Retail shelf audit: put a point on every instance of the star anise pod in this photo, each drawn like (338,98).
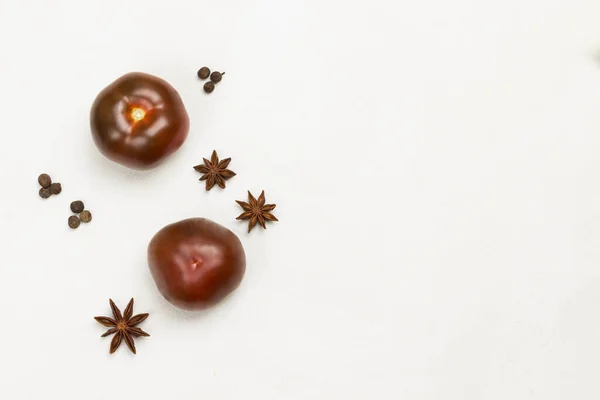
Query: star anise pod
(215,171)
(123,326)
(256,211)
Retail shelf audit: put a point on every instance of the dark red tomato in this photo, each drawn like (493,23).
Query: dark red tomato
(196,263)
(139,120)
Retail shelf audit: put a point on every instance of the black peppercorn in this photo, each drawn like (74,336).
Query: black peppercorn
(203,73)
(77,206)
(45,181)
(216,76)
(209,87)
(45,193)
(74,222)
(55,188)
(85,216)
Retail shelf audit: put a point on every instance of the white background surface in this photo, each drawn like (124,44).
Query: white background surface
(436,173)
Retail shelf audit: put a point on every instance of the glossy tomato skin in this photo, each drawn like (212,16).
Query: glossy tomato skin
(138,121)
(196,263)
